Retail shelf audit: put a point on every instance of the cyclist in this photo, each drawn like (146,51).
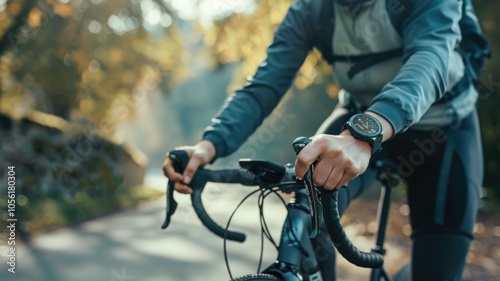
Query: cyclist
(408,88)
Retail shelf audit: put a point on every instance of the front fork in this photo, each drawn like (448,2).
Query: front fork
(296,257)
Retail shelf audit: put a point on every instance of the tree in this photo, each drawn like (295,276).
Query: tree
(86,59)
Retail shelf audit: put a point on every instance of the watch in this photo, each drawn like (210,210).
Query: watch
(367,128)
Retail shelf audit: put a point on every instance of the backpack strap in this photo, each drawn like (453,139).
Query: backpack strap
(397,19)
(474,45)
(474,50)
(323,11)
(362,62)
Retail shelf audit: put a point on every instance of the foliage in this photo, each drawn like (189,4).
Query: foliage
(83,58)
(49,161)
(63,177)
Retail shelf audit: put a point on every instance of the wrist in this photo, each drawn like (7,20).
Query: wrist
(387,130)
(209,149)
(364,145)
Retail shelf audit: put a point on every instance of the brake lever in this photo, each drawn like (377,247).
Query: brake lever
(314,201)
(313,193)
(179,160)
(171,204)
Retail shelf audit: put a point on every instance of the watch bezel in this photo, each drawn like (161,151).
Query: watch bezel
(374,141)
(372,136)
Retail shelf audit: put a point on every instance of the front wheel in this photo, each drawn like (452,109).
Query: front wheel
(257,277)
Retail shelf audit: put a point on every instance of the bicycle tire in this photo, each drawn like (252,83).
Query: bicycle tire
(257,277)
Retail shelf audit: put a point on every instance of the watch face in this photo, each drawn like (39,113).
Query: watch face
(366,125)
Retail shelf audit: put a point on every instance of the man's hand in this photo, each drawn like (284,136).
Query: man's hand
(199,155)
(339,159)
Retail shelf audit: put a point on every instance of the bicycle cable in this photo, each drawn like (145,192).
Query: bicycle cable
(227,228)
(263,222)
(264,192)
(264,230)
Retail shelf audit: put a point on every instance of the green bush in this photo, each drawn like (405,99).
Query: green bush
(62,177)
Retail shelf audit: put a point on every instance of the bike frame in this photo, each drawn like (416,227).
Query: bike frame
(297,259)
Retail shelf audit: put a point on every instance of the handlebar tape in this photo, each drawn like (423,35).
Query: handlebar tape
(209,223)
(243,177)
(339,238)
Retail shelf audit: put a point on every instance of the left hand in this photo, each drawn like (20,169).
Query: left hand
(339,159)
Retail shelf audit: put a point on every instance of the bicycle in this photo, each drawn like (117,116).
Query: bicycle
(303,219)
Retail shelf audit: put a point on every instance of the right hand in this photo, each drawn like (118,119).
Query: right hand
(199,154)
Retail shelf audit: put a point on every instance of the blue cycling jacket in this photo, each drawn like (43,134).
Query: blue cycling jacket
(405,89)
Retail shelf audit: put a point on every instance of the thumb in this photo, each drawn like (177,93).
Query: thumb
(192,166)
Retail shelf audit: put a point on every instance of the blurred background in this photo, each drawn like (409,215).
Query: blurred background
(93,93)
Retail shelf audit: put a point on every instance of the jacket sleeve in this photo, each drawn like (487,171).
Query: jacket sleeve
(430,34)
(245,109)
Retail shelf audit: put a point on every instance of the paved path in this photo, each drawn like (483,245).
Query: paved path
(130,245)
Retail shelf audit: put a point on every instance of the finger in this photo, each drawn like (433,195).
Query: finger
(343,181)
(308,155)
(349,175)
(322,170)
(334,178)
(182,188)
(192,166)
(169,171)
